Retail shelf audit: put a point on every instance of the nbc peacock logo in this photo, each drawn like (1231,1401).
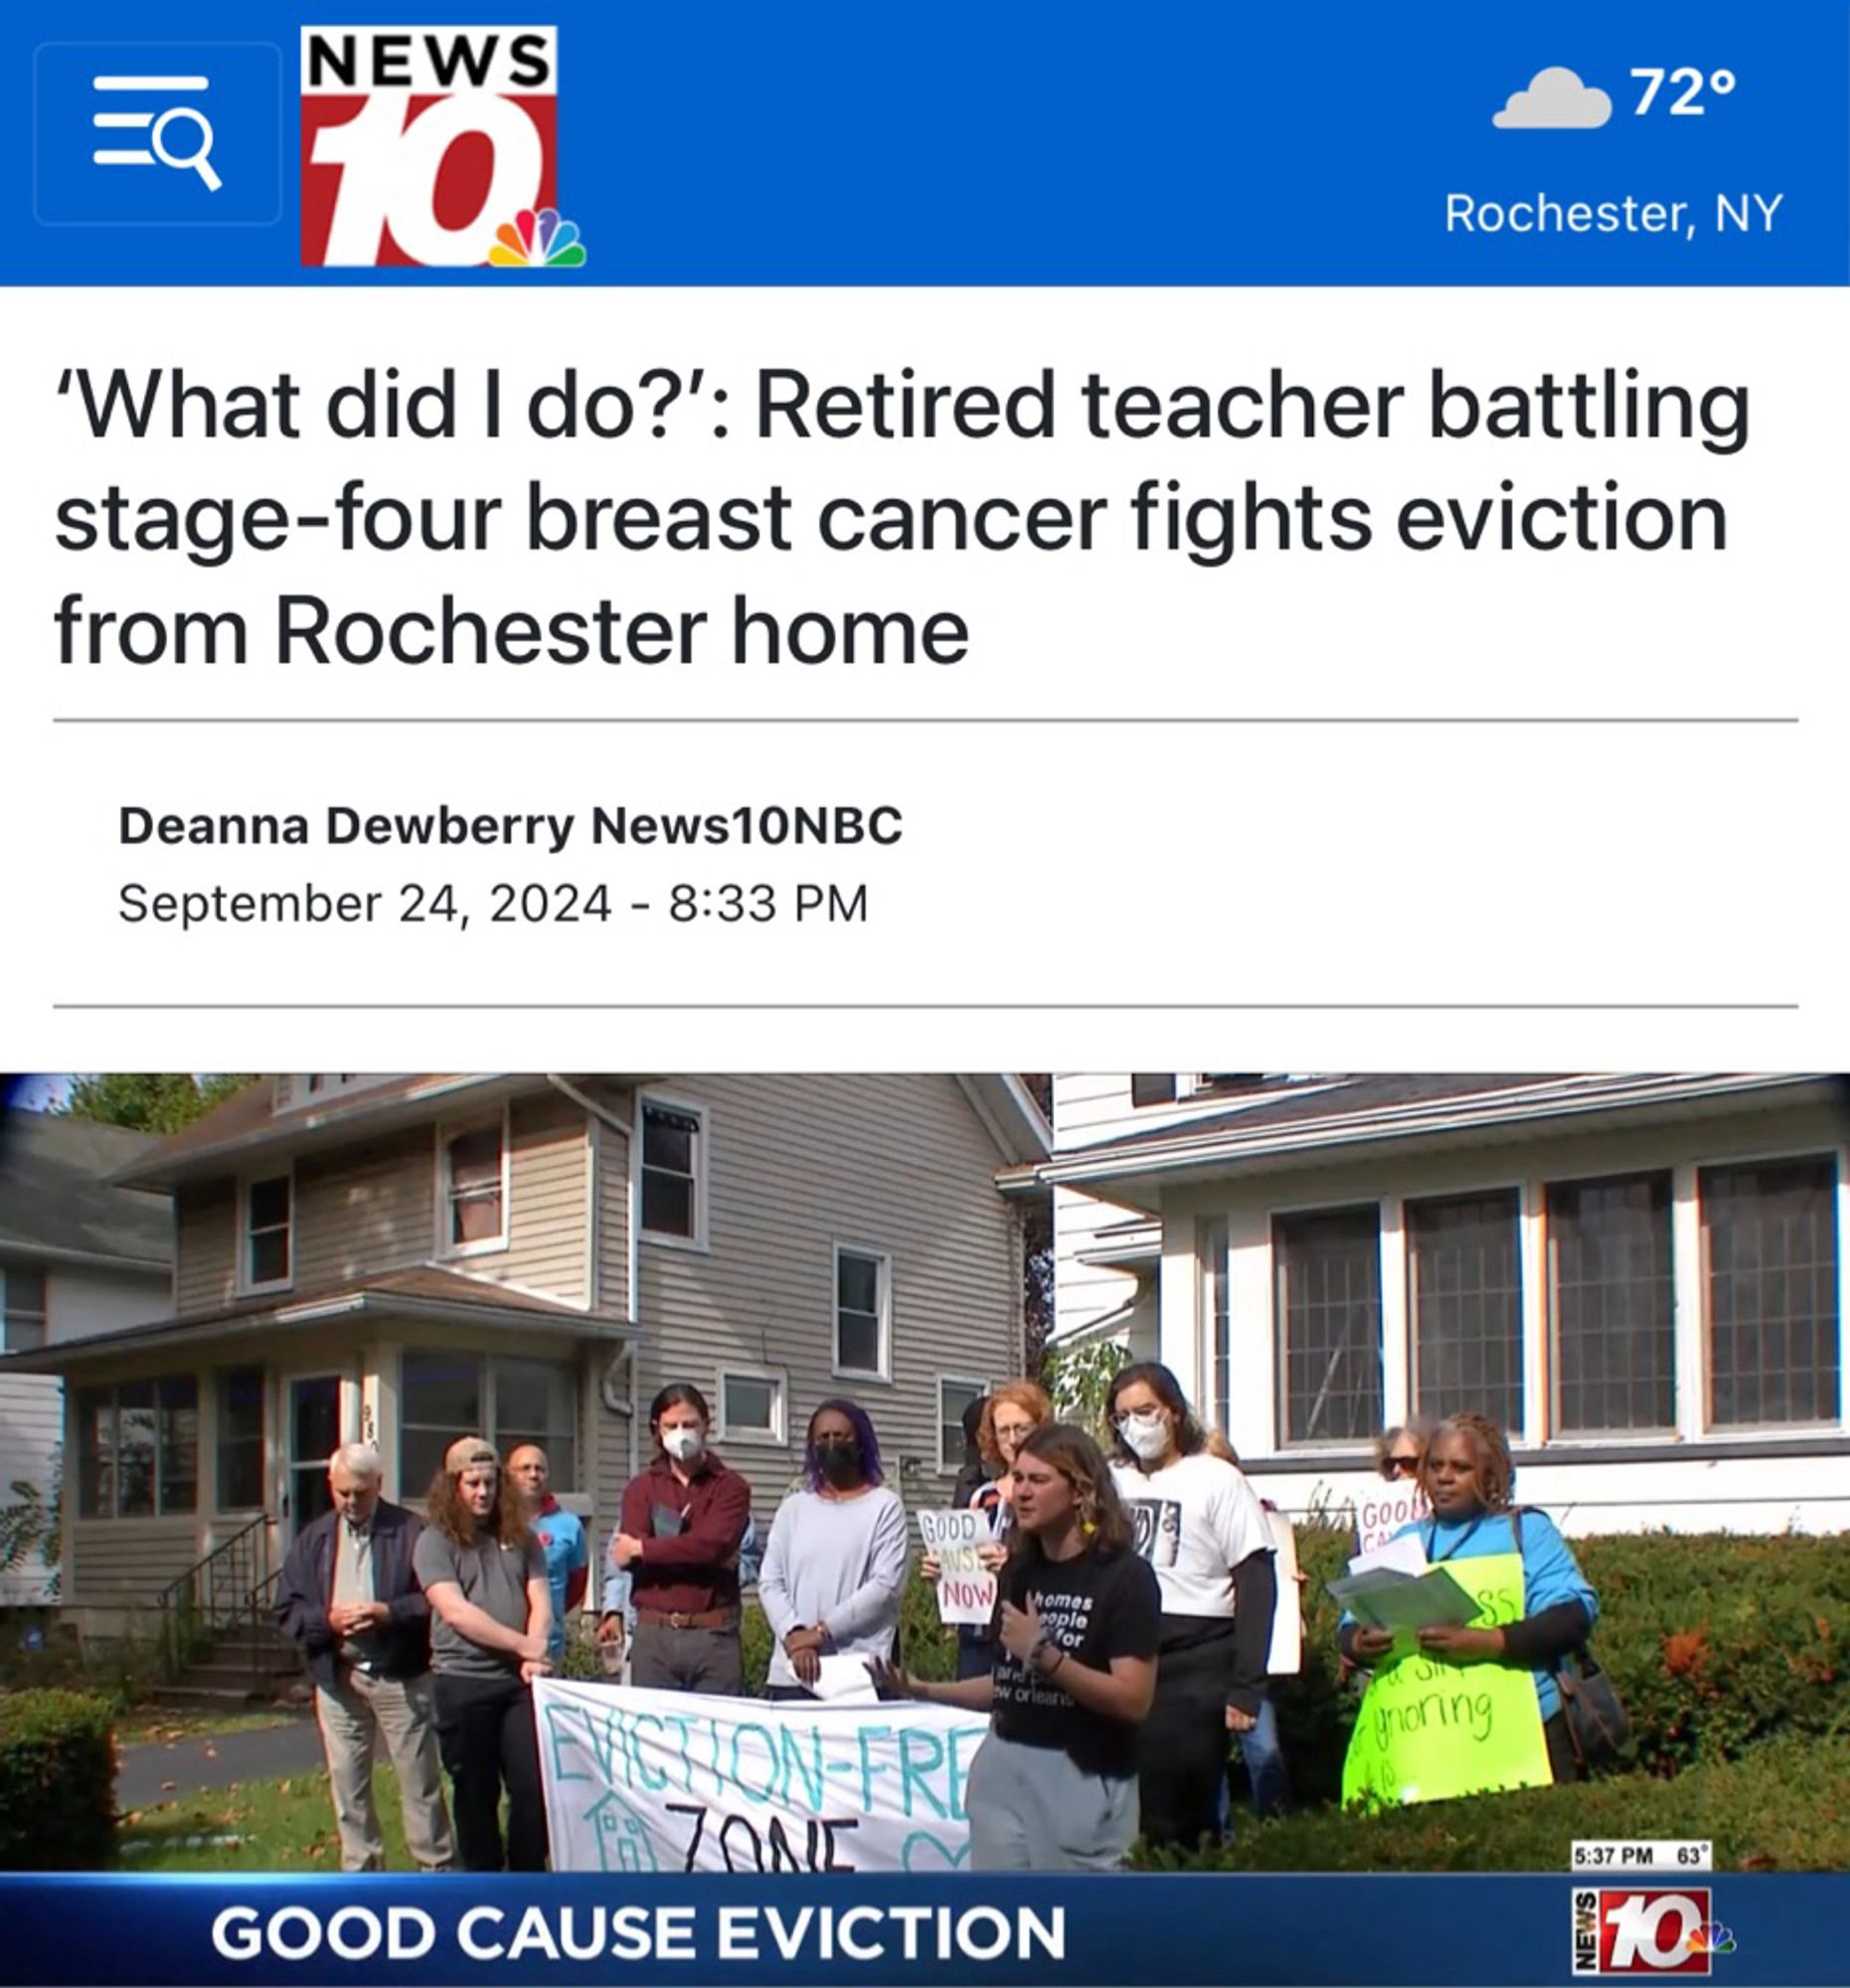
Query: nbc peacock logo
(537,241)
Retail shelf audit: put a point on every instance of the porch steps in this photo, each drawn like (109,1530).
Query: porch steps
(241,1669)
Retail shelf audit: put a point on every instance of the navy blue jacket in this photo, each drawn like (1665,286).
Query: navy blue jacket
(306,1591)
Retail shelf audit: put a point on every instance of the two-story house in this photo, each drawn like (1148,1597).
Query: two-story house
(1643,1278)
(78,1255)
(407,1258)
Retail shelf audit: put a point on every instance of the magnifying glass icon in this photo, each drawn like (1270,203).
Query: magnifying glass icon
(199,160)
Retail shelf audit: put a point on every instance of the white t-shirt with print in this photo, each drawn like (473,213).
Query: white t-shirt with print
(1192,1521)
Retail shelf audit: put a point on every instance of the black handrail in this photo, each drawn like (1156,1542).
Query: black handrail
(215,1594)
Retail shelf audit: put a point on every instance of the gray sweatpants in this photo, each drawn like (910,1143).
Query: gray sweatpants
(1032,1809)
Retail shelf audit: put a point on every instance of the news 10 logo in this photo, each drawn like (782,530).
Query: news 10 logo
(421,145)
(1646,1931)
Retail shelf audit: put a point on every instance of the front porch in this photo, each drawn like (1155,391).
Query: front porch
(195,1449)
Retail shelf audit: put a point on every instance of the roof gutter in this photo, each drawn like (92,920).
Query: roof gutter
(1194,1151)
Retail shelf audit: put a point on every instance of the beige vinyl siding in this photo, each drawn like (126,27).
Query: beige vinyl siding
(898,1164)
(360,1213)
(205,1247)
(548,1247)
(129,1560)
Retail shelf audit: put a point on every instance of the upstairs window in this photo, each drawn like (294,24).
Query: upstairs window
(473,1189)
(22,1292)
(268,1252)
(674,1140)
(863,1313)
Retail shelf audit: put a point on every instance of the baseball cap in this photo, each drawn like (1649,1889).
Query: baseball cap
(469,1452)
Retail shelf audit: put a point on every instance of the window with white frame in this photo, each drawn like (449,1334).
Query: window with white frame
(1464,1305)
(1611,1306)
(138,1449)
(1769,1270)
(1327,1272)
(863,1312)
(511,1402)
(674,1139)
(750,1406)
(22,1321)
(472,1188)
(267,1260)
(955,1396)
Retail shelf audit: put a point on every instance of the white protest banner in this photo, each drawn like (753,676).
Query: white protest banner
(1378,1519)
(1286,1656)
(665,1781)
(967,1591)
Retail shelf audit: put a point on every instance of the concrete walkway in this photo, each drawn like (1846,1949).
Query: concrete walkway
(160,1770)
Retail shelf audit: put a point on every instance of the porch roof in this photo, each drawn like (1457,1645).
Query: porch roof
(425,1292)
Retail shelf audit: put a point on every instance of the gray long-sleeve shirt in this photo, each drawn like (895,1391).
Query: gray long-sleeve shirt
(839,1562)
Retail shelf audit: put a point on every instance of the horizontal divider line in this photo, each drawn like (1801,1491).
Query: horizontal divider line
(958,1007)
(1134,718)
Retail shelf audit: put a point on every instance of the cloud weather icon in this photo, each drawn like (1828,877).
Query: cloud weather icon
(1556,100)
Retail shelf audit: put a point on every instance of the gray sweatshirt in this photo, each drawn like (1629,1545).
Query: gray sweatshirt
(839,1562)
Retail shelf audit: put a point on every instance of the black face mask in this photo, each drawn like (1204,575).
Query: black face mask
(840,1464)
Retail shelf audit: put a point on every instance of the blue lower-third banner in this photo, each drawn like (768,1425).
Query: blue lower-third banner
(1178,1932)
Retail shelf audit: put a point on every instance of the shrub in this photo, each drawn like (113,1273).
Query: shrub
(56,1782)
(1714,1643)
(1786,1806)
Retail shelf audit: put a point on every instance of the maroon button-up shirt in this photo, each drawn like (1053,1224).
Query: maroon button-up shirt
(695,1570)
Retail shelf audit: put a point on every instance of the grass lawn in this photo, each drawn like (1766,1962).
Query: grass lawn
(285,1825)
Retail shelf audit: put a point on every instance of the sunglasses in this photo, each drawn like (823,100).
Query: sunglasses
(1403,1466)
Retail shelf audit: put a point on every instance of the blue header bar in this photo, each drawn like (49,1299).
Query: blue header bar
(1045,142)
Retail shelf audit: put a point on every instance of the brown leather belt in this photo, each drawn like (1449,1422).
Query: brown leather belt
(675,1618)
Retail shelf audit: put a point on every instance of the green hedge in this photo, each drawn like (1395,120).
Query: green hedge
(56,1782)
(1785,1807)
(926,1647)
(1716,1644)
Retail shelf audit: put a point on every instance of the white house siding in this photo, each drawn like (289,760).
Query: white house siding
(1656,1485)
(1085,1293)
(1743,1494)
(1089,1107)
(78,1302)
(794,1165)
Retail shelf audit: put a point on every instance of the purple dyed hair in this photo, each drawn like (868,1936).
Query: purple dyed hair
(864,1435)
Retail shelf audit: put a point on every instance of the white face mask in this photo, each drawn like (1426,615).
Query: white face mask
(683,1444)
(1148,1434)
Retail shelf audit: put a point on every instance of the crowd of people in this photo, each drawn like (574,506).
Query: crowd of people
(1137,1598)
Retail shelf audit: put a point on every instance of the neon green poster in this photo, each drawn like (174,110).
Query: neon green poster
(1429,1729)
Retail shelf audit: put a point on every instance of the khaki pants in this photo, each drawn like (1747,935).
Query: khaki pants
(358,1712)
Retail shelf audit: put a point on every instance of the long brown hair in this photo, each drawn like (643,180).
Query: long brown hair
(444,1509)
(1102,1518)
(1028,1395)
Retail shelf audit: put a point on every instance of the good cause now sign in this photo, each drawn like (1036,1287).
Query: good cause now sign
(660,1781)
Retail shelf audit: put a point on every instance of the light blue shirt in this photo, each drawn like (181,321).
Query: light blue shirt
(1550,1572)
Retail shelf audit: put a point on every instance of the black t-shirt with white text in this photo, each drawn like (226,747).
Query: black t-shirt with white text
(1094,1610)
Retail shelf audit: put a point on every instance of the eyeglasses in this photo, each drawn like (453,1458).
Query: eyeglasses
(1403,1466)
(1014,1432)
(1144,1416)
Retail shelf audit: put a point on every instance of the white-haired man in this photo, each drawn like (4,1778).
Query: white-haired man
(349,1597)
